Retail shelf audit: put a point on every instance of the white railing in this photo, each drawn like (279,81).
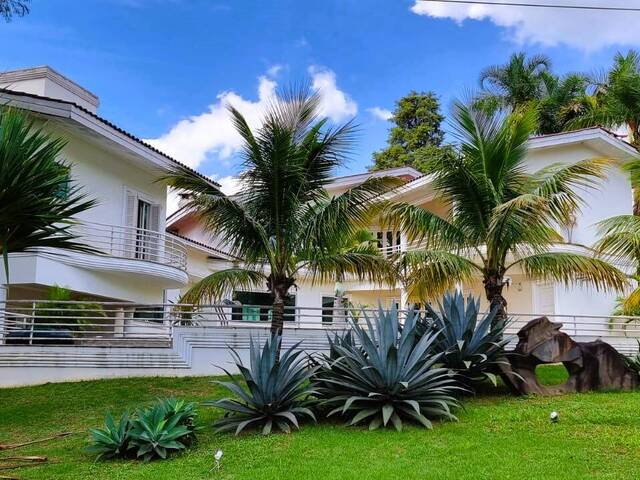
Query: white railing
(37,322)
(130,242)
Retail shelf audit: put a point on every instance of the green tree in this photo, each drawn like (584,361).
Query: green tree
(502,218)
(38,200)
(283,224)
(565,99)
(616,98)
(516,84)
(11,8)
(417,136)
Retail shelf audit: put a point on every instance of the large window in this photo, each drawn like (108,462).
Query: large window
(256,307)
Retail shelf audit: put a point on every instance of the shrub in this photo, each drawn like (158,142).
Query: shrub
(156,432)
(473,348)
(386,374)
(153,432)
(112,441)
(277,392)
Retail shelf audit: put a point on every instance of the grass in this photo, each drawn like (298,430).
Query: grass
(497,437)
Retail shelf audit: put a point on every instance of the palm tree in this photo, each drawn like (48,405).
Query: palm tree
(565,98)
(616,98)
(38,200)
(283,224)
(515,84)
(620,241)
(11,8)
(502,218)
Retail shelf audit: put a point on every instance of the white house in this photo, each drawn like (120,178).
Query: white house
(139,260)
(525,296)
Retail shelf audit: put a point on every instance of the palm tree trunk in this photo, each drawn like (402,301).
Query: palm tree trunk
(493,285)
(279,288)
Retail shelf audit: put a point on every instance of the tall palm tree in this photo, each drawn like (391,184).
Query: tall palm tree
(502,218)
(616,98)
(515,84)
(283,224)
(38,200)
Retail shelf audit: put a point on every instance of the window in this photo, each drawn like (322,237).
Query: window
(388,241)
(327,309)
(256,306)
(142,217)
(65,186)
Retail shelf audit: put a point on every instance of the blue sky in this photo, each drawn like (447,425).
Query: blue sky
(161,67)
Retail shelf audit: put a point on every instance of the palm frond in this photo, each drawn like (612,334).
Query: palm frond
(221,284)
(620,239)
(38,197)
(563,184)
(365,264)
(430,273)
(571,269)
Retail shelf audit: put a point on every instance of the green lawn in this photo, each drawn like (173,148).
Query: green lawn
(497,437)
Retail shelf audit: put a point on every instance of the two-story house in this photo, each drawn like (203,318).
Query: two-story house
(139,261)
(524,295)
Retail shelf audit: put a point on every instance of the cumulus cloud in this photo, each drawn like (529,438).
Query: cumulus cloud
(586,30)
(380,113)
(334,103)
(193,139)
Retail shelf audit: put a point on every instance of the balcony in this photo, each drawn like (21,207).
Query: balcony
(134,243)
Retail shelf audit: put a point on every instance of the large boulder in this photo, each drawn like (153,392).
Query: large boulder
(591,366)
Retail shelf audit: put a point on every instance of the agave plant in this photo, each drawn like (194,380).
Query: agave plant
(473,348)
(277,392)
(112,441)
(387,375)
(187,411)
(156,432)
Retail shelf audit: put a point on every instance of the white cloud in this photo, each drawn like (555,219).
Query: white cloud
(586,30)
(334,103)
(380,113)
(274,70)
(193,139)
(229,185)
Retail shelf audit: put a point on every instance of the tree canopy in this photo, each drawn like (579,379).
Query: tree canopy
(417,136)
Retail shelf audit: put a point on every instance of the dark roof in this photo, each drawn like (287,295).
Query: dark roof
(109,124)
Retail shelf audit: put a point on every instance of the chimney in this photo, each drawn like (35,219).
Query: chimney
(46,82)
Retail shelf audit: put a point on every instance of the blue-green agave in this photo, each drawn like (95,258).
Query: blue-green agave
(276,392)
(474,348)
(388,374)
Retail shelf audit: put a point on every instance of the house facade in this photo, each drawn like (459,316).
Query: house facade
(138,260)
(525,296)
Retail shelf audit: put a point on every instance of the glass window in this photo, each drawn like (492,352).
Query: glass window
(327,309)
(256,306)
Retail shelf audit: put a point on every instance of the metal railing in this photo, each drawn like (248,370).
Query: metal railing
(33,322)
(131,242)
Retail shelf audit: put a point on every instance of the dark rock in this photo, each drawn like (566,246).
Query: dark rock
(591,366)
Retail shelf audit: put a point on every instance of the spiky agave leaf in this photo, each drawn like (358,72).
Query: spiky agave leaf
(472,347)
(387,375)
(157,432)
(111,441)
(275,393)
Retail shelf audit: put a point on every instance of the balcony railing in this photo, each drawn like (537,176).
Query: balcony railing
(136,243)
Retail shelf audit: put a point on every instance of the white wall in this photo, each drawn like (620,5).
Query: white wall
(613,197)
(104,175)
